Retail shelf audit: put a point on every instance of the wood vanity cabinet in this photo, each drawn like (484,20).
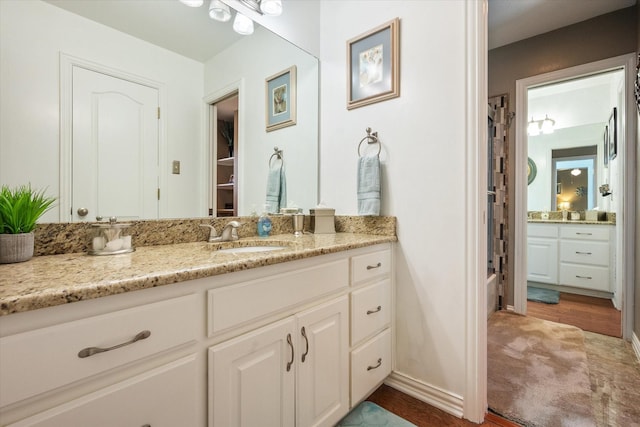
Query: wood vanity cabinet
(292,344)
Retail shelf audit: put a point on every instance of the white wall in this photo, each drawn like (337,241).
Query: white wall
(255,145)
(32,35)
(423,136)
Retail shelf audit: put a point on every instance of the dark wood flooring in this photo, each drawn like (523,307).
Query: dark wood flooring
(587,313)
(423,414)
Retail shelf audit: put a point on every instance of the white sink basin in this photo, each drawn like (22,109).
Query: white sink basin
(251,249)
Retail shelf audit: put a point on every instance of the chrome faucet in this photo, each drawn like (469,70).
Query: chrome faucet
(229,232)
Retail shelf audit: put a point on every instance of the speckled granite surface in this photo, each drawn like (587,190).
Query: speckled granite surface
(62,238)
(556,216)
(561,221)
(50,280)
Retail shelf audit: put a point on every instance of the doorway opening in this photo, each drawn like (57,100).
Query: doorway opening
(530,196)
(223,137)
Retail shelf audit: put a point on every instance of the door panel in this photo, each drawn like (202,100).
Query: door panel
(115,147)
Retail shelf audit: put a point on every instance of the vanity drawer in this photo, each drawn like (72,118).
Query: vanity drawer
(370,365)
(238,304)
(370,310)
(592,253)
(584,276)
(165,396)
(44,359)
(368,266)
(542,230)
(585,233)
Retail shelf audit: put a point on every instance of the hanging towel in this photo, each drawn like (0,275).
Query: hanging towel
(276,189)
(369,185)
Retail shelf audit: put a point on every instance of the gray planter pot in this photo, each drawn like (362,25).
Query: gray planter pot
(16,247)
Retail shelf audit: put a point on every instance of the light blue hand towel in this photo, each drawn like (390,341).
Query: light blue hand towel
(369,185)
(276,189)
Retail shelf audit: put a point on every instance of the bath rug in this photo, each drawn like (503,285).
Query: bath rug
(368,414)
(547,296)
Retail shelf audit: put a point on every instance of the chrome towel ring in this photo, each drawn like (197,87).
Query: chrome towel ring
(371,138)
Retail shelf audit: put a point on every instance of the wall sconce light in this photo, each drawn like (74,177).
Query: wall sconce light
(545,126)
(576,172)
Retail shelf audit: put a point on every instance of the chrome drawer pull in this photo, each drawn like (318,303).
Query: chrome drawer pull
(292,354)
(304,334)
(583,253)
(584,277)
(90,351)
(374,311)
(375,367)
(371,267)
(584,234)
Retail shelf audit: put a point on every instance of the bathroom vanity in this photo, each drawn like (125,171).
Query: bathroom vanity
(184,335)
(579,255)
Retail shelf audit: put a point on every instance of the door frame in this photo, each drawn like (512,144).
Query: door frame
(67,62)
(624,223)
(209,138)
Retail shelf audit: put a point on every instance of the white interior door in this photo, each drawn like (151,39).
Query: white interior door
(114,148)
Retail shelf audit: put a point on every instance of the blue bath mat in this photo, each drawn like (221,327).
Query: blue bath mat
(368,414)
(547,296)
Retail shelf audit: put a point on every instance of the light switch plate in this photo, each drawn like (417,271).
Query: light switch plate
(176,167)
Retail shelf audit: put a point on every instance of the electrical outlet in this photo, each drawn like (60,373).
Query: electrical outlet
(176,167)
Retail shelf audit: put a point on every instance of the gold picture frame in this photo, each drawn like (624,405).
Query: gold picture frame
(280,109)
(373,71)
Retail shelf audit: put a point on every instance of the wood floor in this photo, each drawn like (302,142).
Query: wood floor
(424,415)
(587,313)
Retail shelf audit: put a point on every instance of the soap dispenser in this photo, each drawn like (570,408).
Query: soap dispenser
(264,224)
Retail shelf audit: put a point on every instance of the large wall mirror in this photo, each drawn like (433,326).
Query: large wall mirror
(570,157)
(189,59)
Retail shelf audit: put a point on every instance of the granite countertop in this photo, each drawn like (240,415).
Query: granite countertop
(46,281)
(569,221)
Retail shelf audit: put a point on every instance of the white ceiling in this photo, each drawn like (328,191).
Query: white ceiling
(514,20)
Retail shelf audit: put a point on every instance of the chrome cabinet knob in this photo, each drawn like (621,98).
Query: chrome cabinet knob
(83,211)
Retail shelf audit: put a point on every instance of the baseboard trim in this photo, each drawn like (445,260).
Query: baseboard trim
(511,308)
(434,396)
(635,343)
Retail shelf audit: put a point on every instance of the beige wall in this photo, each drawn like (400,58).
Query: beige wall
(602,37)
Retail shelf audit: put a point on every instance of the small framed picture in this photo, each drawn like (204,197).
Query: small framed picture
(373,71)
(613,134)
(281,99)
(605,150)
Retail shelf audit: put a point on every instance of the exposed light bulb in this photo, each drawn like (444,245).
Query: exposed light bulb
(547,125)
(271,7)
(192,3)
(219,11)
(242,24)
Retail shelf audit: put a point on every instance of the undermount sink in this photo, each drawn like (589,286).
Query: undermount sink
(251,249)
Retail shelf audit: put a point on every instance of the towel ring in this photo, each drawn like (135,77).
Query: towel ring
(371,138)
(277,154)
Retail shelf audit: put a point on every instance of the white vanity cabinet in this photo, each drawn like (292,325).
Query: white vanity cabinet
(292,344)
(542,253)
(578,256)
(292,372)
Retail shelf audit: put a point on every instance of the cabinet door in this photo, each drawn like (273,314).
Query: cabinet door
(542,260)
(323,364)
(164,396)
(251,378)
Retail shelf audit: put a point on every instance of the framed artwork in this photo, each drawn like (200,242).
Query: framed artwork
(605,139)
(373,71)
(613,135)
(532,170)
(281,99)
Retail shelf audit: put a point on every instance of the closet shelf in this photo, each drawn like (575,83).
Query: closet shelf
(226,161)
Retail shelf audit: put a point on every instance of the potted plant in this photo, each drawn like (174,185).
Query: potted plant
(20,209)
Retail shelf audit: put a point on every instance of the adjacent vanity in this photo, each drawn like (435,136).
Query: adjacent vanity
(577,255)
(182,334)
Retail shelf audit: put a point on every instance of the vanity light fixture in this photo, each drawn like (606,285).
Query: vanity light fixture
(545,126)
(192,3)
(219,10)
